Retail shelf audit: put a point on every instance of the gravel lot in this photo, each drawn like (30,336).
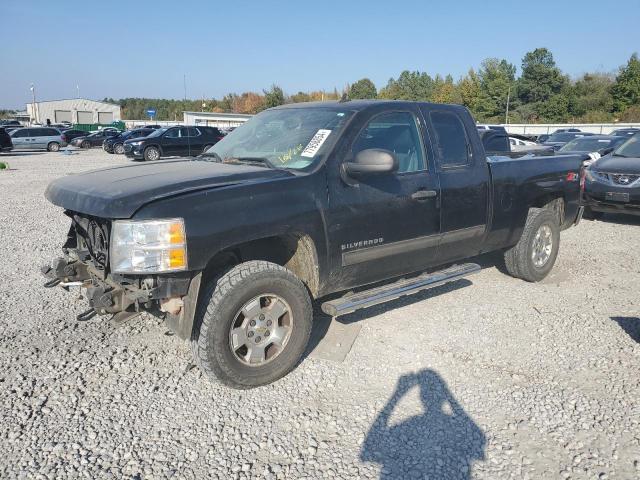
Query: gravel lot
(488,378)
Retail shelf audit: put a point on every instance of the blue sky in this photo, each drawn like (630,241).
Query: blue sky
(142,48)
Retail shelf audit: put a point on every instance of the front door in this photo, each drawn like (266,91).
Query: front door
(464,182)
(383,225)
(173,143)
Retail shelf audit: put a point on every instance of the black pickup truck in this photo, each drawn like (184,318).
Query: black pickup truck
(301,202)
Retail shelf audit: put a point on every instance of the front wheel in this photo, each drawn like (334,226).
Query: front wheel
(252,325)
(85,144)
(118,148)
(533,257)
(151,154)
(53,147)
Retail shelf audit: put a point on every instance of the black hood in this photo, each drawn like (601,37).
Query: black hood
(612,164)
(118,192)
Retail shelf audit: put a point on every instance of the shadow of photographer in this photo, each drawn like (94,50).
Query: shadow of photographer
(441,443)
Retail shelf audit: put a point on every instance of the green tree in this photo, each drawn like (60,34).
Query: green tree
(416,86)
(626,89)
(540,78)
(497,78)
(363,89)
(469,91)
(273,97)
(590,97)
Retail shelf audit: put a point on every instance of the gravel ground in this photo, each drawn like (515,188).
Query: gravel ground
(489,378)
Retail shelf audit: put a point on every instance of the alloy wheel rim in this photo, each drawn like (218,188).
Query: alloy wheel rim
(542,246)
(261,330)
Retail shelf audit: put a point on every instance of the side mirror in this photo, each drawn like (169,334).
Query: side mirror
(372,161)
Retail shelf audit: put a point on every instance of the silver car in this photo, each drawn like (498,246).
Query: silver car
(37,138)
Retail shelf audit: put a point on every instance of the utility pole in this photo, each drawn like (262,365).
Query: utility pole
(33,109)
(184,84)
(78,90)
(506,115)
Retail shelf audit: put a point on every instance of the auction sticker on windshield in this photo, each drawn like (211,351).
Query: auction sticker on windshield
(316,142)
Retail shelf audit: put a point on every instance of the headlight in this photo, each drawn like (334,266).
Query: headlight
(135,144)
(148,246)
(593,176)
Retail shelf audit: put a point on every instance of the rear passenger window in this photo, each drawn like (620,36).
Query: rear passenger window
(192,132)
(499,143)
(50,132)
(450,139)
(398,133)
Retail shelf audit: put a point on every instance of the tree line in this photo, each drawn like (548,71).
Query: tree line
(493,93)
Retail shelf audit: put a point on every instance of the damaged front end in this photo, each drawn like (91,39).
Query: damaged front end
(88,263)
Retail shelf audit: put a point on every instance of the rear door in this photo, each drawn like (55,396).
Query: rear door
(388,224)
(464,181)
(39,137)
(196,139)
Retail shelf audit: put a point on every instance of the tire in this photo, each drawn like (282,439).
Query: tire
(221,308)
(53,147)
(151,154)
(528,259)
(206,147)
(118,148)
(85,144)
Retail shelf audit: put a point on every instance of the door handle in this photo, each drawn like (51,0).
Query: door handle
(424,194)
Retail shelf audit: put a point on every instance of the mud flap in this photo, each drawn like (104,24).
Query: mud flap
(182,324)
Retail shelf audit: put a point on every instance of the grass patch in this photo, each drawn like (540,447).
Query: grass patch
(4,166)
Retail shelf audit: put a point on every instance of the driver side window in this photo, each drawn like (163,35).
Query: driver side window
(398,133)
(173,133)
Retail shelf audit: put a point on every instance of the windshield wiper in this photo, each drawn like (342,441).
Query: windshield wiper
(251,160)
(620,155)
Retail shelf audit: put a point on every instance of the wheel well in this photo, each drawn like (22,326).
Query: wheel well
(296,252)
(553,203)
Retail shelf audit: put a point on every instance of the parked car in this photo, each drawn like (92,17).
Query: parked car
(564,130)
(558,140)
(612,183)
(11,128)
(593,146)
(300,202)
(71,134)
(625,132)
(170,141)
(154,127)
(542,138)
(499,128)
(8,123)
(498,143)
(115,144)
(94,139)
(37,138)
(6,145)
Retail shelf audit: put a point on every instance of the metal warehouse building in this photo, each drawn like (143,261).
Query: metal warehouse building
(212,119)
(76,110)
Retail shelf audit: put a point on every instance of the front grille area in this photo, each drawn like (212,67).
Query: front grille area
(619,179)
(623,179)
(128,147)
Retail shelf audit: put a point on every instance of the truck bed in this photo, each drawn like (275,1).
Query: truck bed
(516,182)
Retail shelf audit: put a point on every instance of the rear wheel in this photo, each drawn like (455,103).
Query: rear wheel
(151,154)
(118,148)
(53,147)
(252,325)
(533,257)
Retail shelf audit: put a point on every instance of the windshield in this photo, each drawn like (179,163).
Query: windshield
(586,145)
(282,138)
(630,148)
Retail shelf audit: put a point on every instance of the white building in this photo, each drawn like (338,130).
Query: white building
(212,119)
(76,110)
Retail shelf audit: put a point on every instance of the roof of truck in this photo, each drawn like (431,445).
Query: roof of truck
(357,105)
